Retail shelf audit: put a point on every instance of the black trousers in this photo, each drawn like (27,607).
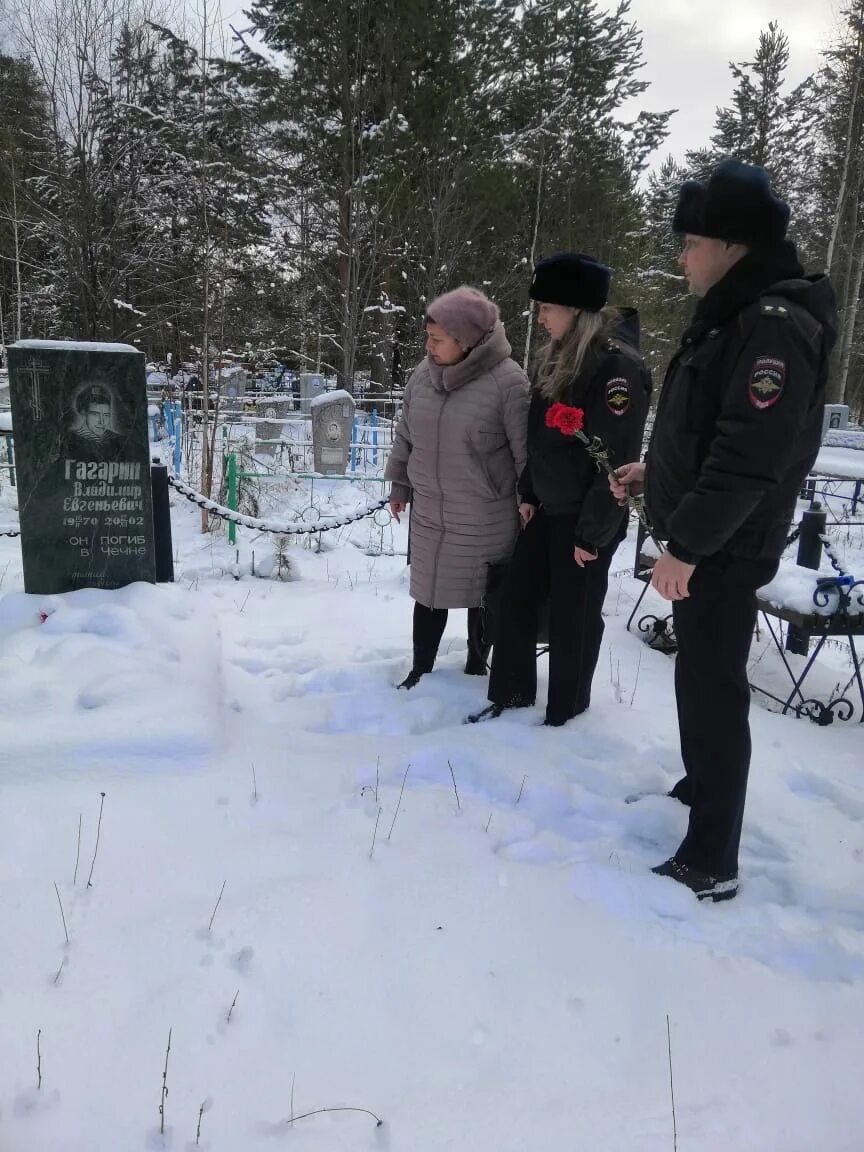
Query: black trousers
(429,625)
(714,627)
(543,567)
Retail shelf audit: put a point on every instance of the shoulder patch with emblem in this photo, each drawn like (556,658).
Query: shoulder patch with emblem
(618,396)
(774,306)
(767,378)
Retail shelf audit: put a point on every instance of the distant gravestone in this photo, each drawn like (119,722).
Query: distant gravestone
(233,383)
(835,417)
(79,413)
(233,391)
(271,415)
(332,421)
(311,385)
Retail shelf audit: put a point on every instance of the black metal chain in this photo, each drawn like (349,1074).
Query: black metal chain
(224,513)
(793,536)
(250,521)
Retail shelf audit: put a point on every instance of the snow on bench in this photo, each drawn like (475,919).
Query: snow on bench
(790,595)
(844,463)
(844,438)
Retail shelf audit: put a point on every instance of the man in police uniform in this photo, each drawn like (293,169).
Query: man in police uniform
(737,429)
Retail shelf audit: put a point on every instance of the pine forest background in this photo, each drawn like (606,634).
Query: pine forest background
(300,184)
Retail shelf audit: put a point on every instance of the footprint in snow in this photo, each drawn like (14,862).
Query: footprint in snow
(326,682)
(288,638)
(807,784)
(242,961)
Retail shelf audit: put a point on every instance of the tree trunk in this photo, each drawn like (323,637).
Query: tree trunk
(223,279)
(855,400)
(17,244)
(345,279)
(304,291)
(380,376)
(845,313)
(838,392)
(844,175)
(347,209)
(537,205)
(206,458)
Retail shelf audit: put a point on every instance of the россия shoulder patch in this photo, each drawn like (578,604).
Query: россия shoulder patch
(767,378)
(618,396)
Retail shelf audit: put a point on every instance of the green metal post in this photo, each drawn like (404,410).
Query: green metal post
(232,495)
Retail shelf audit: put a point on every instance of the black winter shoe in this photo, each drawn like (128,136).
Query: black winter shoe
(558,721)
(700,884)
(490,712)
(493,711)
(475,665)
(411,680)
(635,797)
(683,792)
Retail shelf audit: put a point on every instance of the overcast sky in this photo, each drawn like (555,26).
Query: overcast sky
(688,45)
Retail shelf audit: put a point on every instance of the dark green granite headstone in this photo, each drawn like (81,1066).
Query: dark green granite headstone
(79,419)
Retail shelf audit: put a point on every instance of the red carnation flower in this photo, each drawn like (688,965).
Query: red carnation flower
(567,420)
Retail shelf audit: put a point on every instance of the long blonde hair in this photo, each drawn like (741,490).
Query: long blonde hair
(561,361)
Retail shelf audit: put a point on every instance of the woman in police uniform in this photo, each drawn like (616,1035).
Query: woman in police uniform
(591,379)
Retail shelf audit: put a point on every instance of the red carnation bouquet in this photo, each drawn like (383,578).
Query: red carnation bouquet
(569,421)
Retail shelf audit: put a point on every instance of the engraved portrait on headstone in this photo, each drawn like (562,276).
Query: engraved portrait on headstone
(332,423)
(834,417)
(91,431)
(270,415)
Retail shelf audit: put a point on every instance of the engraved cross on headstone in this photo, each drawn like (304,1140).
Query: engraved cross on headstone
(34,373)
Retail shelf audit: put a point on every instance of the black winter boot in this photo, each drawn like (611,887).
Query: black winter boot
(683,791)
(490,712)
(700,884)
(493,711)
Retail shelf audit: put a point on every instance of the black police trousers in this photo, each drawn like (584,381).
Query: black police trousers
(543,567)
(714,627)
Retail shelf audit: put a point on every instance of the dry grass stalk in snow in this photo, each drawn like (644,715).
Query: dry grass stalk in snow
(60,902)
(164,1088)
(231,1009)
(96,849)
(375,832)
(218,902)
(77,850)
(453,777)
(399,804)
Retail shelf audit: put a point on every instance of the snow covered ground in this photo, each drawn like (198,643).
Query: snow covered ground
(495,976)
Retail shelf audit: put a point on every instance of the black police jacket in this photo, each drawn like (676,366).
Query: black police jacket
(739,419)
(613,390)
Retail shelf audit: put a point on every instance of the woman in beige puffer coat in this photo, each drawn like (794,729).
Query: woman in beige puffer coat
(458,452)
